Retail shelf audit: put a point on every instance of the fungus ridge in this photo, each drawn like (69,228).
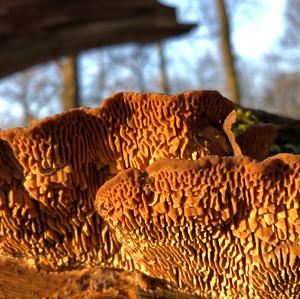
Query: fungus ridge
(256,141)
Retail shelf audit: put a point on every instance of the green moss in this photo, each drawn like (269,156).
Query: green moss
(245,119)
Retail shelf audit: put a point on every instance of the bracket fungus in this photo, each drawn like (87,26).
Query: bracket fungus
(51,171)
(220,227)
(50,174)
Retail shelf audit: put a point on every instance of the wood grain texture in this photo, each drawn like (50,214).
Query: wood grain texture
(20,280)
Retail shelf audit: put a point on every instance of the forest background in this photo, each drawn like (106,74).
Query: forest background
(249,50)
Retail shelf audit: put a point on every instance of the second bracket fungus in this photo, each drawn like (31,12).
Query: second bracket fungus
(220,227)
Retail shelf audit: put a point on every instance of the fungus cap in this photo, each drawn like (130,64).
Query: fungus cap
(53,169)
(221,227)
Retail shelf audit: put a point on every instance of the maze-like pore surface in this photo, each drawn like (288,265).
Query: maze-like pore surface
(221,227)
(50,172)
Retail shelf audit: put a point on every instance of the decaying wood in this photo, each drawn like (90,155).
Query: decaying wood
(20,280)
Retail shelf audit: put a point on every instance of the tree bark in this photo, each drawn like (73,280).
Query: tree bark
(227,52)
(70,92)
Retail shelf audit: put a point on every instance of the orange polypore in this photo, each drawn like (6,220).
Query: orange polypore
(220,227)
(204,224)
(50,172)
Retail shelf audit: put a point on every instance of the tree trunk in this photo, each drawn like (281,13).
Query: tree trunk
(139,67)
(163,68)
(70,91)
(25,79)
(102,73)
(228,57)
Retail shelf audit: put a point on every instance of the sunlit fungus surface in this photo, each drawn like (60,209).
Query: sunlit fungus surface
(222,227)
(157,183)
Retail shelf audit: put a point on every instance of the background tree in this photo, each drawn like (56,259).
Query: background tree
(290,40)
(227,52)
(163,68)
(70,96)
